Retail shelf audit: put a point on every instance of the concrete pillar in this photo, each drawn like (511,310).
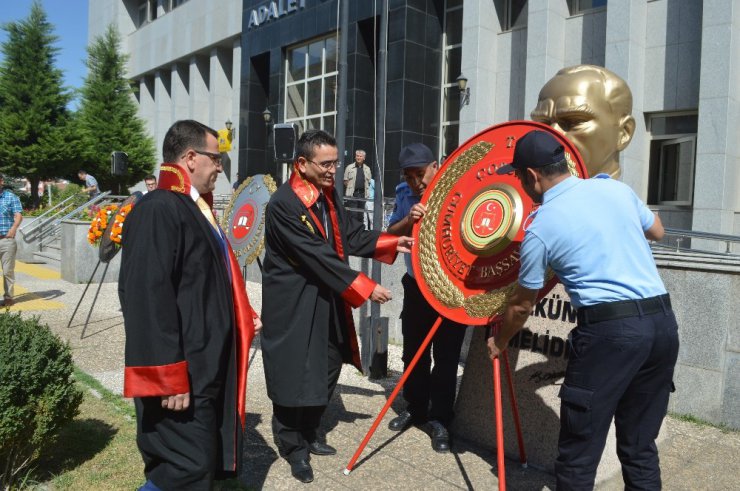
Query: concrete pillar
(625,56)
(479,64)
(545,46)
(199,83)
(162,103)
(236,70)
(716,176)
(219,104)
(146,103)
(180,81)
(219,95)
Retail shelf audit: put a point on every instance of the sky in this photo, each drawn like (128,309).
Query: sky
(69,21)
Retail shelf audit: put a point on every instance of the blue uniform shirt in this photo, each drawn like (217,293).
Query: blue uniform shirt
(9,206)
(591,233)
(405,199)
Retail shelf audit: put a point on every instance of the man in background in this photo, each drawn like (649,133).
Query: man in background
(10,220)
(91,184)
(150,182)
(357,178)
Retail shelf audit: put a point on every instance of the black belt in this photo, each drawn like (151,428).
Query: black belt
(622,309)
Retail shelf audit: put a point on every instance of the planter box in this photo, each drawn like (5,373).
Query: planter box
(79,258)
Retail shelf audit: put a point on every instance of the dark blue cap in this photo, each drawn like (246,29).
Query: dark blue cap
(415,155)
(535,149)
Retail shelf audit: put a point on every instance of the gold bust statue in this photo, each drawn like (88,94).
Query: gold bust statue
(592,106)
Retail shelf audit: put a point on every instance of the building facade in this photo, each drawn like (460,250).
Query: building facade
(234,60)
(185,59)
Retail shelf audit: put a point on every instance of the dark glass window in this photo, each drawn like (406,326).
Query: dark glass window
(311,84)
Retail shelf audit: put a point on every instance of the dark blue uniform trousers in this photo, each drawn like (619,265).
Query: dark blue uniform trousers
(427,384)
(621,369)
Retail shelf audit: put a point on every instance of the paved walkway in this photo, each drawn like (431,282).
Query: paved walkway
(693,457)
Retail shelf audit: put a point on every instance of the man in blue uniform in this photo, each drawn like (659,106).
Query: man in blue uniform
(593,233)
(425,385)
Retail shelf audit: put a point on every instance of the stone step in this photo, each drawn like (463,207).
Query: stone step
(49,257)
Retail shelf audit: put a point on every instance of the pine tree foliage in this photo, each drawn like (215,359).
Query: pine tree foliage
(35,137)
(107,120)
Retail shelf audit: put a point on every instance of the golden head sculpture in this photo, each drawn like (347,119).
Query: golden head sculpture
(592,106)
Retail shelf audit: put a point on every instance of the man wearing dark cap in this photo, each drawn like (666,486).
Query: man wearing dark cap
(425,385)
(624,347)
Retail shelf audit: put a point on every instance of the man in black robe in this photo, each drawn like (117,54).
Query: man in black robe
(188,321)
(308,290)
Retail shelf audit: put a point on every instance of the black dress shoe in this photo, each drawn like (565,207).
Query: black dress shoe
(440,437)
(318,448)
(302,470)
(401,422)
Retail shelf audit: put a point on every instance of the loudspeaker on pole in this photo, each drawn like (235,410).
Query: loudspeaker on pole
(118,163)
(285,136)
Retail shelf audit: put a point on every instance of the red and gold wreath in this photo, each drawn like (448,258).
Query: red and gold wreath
(117,228)
(99,224)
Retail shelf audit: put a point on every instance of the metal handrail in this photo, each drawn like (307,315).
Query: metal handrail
(51,210)
(695,234)
(55,218)
(51,226)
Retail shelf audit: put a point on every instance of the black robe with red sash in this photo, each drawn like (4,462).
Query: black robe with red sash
(308,288)
(188,328)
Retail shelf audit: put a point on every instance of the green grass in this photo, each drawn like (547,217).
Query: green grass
(698,421)
(97,450)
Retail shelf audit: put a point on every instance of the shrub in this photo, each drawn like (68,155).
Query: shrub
(37,392)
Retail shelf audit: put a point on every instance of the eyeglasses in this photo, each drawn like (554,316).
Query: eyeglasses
(215,157)
(326,165)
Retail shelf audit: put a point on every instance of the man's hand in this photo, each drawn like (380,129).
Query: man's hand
(257,325)
(516,313)
(10,234)
(417,212)
(178,402)
(380,294)
(493,349)
(404,244)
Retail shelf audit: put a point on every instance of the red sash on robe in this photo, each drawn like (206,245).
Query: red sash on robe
(174,178)
(361,288)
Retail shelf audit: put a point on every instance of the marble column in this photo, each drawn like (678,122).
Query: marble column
(545,46)
(199,86)
(625,56)
(717,173)
(480,60)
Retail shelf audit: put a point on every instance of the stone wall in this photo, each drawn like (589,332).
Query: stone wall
(703,290)
(79,258)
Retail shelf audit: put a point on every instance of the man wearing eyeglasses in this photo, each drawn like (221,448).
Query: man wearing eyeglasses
(308,291)
(188,321)
(150,182)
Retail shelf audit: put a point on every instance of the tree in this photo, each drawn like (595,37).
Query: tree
(35,136)
(107,120)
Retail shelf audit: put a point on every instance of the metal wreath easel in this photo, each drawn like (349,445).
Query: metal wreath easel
(498,409)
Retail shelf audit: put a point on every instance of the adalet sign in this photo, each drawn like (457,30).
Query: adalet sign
(273,10)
